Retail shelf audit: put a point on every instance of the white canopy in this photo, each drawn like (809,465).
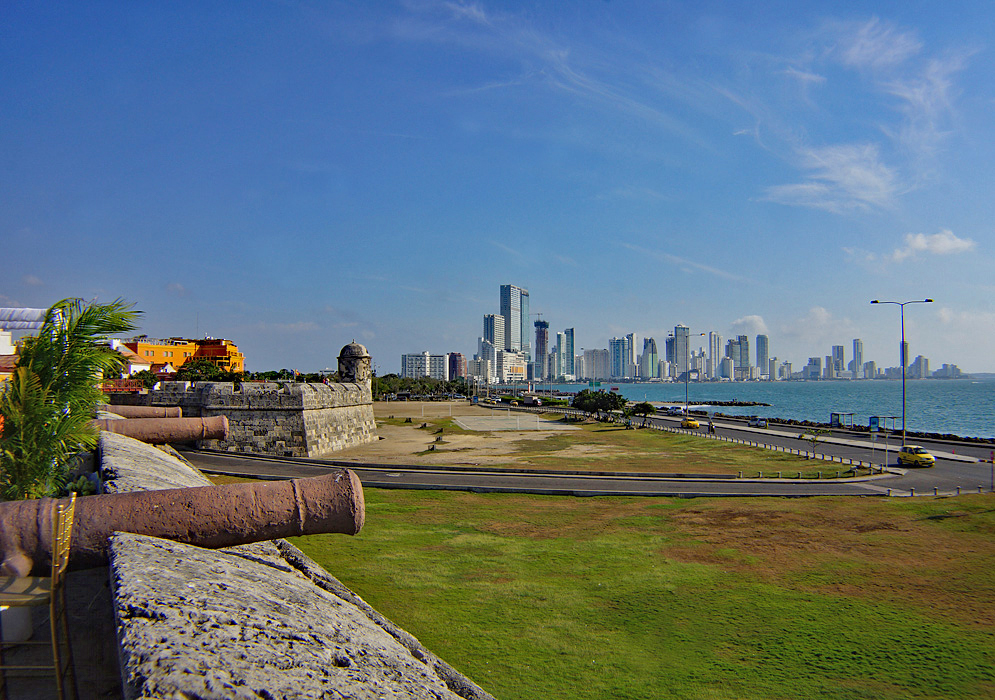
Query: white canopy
(20,319)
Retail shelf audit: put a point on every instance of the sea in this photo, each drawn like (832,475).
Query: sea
(964,407)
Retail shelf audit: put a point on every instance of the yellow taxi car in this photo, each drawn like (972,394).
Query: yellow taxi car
(690,423)
(915,456)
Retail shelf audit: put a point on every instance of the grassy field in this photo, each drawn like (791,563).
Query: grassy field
(608,447)
(558,597)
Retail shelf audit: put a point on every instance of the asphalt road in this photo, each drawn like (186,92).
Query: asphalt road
(557,483)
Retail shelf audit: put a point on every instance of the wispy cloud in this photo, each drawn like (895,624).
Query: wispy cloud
(817,328)
(597,78)
(32,281)
(177,289)
(942,243)
(685,264)
(841,178)
(875,45)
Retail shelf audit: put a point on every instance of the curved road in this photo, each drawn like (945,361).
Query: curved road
(945,477)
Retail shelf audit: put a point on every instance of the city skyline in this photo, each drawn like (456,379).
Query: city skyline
(293,177)
(503,359)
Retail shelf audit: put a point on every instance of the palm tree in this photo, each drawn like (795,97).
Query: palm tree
(48,403)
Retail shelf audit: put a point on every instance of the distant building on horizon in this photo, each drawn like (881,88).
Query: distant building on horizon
(176,351)
(515,310)
(763,355)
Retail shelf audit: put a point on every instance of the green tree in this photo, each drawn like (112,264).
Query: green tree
(644,409)
(48,403)
(147,378)
(814,436)
(592,402)
(199,369)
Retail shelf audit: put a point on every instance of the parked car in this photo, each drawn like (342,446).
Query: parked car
(690,423)
(757,423)
(675,411)
(915,456)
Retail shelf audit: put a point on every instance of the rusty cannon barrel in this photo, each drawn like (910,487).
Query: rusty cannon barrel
(206,516)
(158,431)
(143,411)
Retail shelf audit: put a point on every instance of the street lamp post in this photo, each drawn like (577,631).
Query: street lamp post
(687,364)
(902,354)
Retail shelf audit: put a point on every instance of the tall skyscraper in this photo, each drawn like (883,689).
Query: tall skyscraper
(838,360)
(648,365)
(494,327)
(631,367)
(618,350)
(670,349)
(714,353)
(568,352)
(744,351)
(560,353)
(858,358)
(763,354)
(682,351)
(542,345)
(515,309)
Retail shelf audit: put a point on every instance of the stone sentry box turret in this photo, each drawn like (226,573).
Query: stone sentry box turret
(290,419)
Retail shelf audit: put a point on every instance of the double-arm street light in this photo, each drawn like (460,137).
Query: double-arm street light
(902,353)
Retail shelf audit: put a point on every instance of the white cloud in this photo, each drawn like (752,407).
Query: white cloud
(817,329)
(876,45)
(687,265)
(843,178)
(176,288)
(804,77)
(32,281)
(749,325)
(942,243)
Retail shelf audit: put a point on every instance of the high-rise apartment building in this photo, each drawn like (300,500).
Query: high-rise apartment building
(682,350)
(457,365)
(858,358)
(568,352)
(714,353)
(560,355)
(619,352)
(542,346)
(494,329)
(597,364)
(515,309)
(838,360)
(423,364)
(648,364)
(763,355)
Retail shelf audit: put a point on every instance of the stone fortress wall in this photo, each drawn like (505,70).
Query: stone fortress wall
(285,419)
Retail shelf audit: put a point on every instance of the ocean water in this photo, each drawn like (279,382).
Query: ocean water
(964,407)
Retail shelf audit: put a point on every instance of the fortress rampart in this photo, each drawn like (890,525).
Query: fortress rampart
(286,419)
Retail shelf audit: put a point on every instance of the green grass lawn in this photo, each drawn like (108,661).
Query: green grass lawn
(611,447)
(559,597)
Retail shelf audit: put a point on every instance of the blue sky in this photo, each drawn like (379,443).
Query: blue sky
(293,175)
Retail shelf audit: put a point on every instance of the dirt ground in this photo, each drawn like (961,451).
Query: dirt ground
(404,443)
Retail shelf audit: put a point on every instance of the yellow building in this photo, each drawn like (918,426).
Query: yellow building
(176,351)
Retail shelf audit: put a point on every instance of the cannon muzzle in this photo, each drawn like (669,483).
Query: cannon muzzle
(144,411)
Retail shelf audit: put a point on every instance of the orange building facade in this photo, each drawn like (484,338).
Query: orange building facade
(176,351)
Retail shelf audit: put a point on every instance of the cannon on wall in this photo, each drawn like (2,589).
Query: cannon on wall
(158,431)
(206,516)
(126,411)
